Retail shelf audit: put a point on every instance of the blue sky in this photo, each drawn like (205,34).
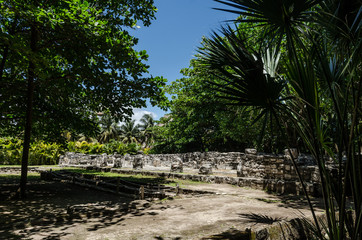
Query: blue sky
(172,39)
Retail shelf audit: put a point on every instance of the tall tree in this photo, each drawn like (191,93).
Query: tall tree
(129,132)
(319,91)
(62,61)
(146,129)
(109,128)
(199,121)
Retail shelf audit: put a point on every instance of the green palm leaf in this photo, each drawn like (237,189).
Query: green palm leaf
(278,18)
(240,75)
(129,132)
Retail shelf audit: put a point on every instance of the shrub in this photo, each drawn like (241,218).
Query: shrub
(10,151)
(98,148)
(41,153)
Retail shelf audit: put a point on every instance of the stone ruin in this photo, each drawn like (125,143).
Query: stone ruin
(176,162)
(99,160)
(177,165)
(205,169)
(260,170)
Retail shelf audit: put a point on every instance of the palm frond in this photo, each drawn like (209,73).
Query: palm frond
(241,75)
(278,18)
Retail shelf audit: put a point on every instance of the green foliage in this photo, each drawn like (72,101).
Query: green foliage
(85,147)
(98,148)
(109,128)
(61,62)
(83,61)
(200,121)
(129,132)
(10,151)
(146,130)
(316,93)
(41,153)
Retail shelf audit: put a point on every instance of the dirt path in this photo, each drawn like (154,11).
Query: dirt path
(63,211)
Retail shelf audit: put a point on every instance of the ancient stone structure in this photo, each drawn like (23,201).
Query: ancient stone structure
(138,162)
(274,172)
(195,160)
(205,169)
(177,165)
(103,160)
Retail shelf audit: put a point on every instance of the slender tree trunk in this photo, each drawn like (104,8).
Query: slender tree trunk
(29,115)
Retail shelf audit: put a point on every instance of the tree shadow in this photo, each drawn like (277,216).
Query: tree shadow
(231,234)
(292,201)
(161,238)
(52,207)
(260,218)
(144,180)
(299,202)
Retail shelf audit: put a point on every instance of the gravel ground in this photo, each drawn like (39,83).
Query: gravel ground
(55,210)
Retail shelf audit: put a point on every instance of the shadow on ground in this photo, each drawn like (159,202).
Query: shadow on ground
(260,218)
(231,234)
(54,205)
(292,201)
(129,178)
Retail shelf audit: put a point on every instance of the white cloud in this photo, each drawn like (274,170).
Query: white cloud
(138,113)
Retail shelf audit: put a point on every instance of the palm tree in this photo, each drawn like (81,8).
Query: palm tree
(318,89)
(147,123)
(129,132)
(82,137)
(109,128)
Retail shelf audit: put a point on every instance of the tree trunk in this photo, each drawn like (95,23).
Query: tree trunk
(29,114)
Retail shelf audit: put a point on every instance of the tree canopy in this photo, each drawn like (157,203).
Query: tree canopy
(198,122)
(83,61)
(64,61)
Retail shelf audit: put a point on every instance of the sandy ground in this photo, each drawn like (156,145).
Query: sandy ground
(56,210)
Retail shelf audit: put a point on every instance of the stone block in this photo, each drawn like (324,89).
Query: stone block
(205,169)
(177,165)
(251,151)
(137,162)
(239,170)
(156,162)
(211,179)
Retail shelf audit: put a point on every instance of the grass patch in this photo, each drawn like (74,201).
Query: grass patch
(183,183)
(46,166)
(141,179)
(138,178)
(15,177)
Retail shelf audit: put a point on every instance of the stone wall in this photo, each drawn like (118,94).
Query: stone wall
(270,166)
(278,173)
(195,160)
(274,172)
